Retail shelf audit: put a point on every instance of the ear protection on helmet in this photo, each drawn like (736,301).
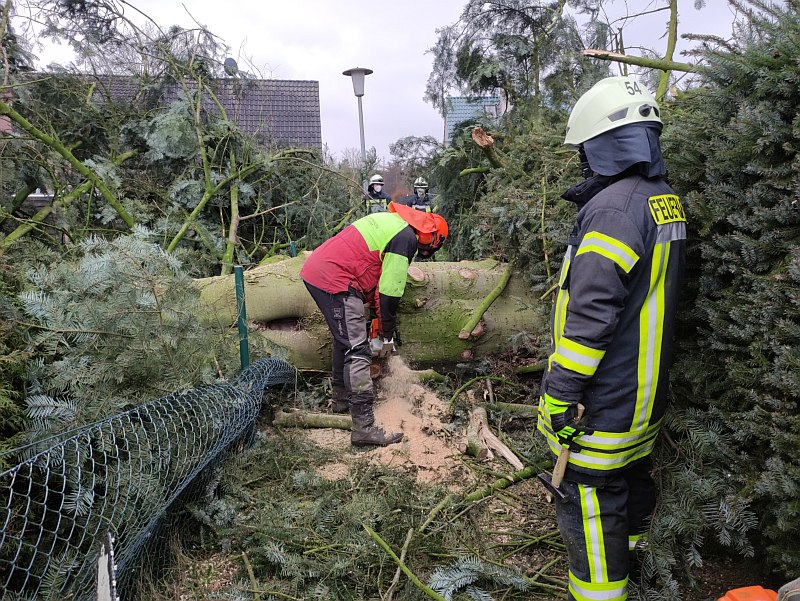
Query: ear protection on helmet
(425,238)
(432,241)
(430,228)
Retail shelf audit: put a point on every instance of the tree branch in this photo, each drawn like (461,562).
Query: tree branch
(411,576)
(467,329)
(58,146)
(486,143)
(64,201)
(640,61)
(672,38)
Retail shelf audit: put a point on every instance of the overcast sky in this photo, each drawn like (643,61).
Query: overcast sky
(318,39)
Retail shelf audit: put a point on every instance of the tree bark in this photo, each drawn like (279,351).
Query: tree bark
(439,299)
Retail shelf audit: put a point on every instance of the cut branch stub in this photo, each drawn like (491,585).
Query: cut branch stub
(486,143)
(416,275)
(481,137)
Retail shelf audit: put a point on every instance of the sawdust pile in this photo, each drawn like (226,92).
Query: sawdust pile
(402,405)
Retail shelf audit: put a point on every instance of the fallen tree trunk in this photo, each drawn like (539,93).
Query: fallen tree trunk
(439,300)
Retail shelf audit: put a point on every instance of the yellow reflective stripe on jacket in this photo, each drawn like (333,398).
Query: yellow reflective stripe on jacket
(577,357)
(610,248)
(562,300)
(602,451)
(597,591)
(651,338)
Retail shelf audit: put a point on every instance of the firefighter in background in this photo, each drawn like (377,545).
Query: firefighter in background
(375,199)
(341,275)
(420,199)
(612,327)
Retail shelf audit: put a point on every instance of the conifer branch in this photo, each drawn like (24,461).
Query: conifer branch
(471,170)
(523,474)
(436,511)
(533,368)
(71,330)
(396,579)
(411,576)
(208,195)
(486,143)
(63,201)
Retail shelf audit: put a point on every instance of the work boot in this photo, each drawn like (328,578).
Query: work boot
(340,402)
(364,432)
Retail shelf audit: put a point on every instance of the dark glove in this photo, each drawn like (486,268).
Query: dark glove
(563,418)
(387,348)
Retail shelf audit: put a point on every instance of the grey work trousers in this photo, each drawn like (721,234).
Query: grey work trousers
(351,357)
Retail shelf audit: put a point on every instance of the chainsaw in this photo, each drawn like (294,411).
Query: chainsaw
(381,347)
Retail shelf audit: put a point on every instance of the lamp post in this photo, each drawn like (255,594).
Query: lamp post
(358,74)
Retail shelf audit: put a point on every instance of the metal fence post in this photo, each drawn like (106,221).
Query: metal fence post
(241,313)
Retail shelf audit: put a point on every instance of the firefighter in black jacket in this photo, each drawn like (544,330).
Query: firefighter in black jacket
(420,199)
(612,329)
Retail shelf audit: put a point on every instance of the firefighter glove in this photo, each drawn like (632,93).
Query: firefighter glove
(563,418)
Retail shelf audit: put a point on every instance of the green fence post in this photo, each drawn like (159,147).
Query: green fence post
(241,312)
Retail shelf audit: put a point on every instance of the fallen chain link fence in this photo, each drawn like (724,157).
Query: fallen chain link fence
(119,475)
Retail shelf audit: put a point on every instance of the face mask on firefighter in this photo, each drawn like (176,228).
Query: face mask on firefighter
(377,187)
(420,192)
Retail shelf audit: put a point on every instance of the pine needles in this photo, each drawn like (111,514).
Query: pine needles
(309,537)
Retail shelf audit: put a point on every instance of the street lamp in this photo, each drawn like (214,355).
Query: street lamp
(358,74)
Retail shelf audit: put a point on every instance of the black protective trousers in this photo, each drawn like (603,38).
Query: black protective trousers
(351,357)
(601,522)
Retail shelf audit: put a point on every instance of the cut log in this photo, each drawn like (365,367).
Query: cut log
(438,301)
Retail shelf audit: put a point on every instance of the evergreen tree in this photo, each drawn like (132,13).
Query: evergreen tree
(116,325)
(734,159)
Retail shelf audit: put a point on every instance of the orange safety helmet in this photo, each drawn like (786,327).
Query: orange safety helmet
(431,229)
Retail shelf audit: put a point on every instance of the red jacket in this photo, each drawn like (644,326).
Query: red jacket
(374,251)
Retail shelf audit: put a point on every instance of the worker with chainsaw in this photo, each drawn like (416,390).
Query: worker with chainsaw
(341,275)
(375,199)
(612,328)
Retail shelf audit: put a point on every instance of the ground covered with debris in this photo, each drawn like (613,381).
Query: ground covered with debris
(301,514)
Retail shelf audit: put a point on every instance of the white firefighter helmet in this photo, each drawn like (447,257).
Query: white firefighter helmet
(420,183)
(376,179)
(611,103)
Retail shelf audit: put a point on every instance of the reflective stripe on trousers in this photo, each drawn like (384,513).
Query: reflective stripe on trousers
(600,522)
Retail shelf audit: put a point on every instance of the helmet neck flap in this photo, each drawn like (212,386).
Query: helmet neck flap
(617,150)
